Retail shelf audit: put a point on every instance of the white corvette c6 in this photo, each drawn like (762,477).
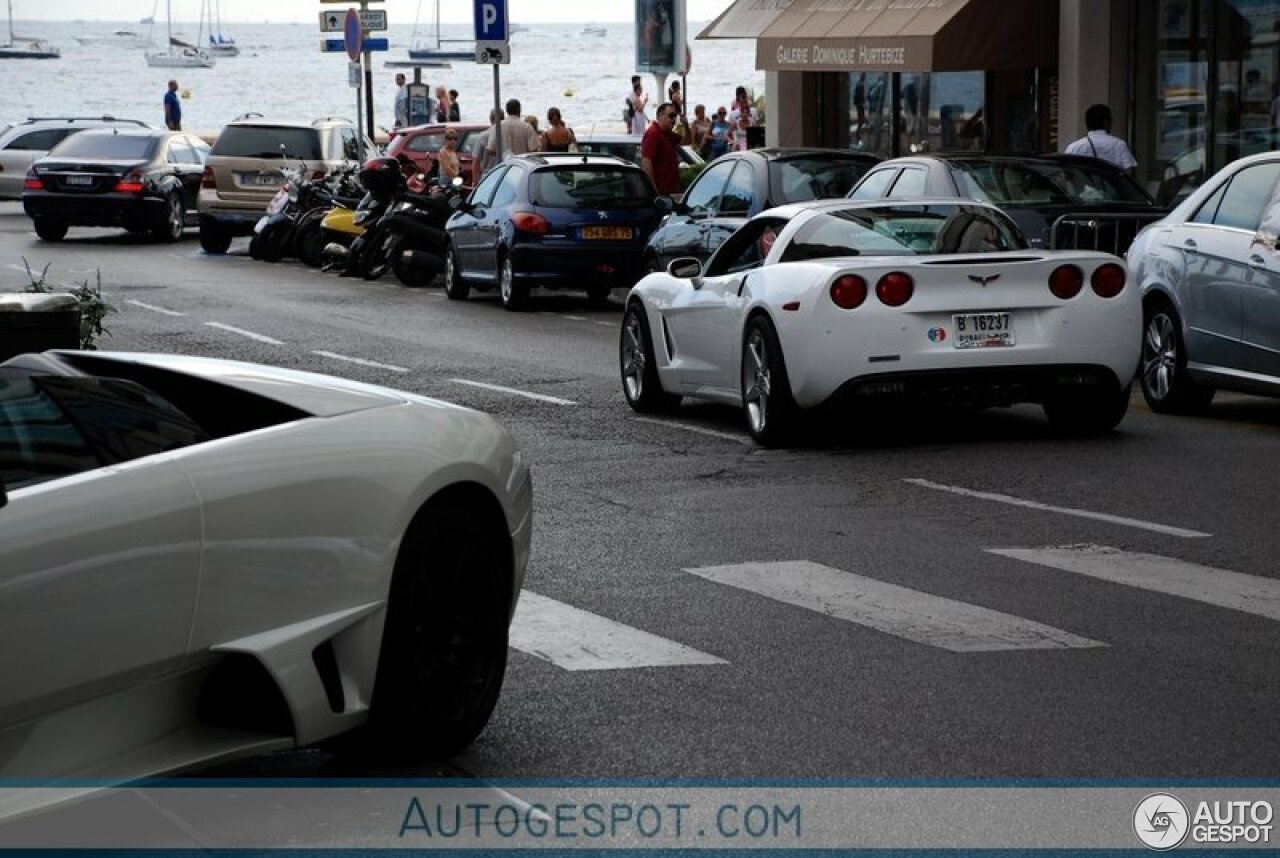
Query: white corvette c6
(894,303)
(204,558)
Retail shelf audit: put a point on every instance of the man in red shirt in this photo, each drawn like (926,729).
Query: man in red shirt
(658,152)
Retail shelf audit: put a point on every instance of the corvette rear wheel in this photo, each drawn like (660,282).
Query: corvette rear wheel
(444,646)
(640,382)
(766,391)
(1166,384)
(1089,413)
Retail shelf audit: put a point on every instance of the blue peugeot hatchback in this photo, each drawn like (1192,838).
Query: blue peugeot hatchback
(555,220)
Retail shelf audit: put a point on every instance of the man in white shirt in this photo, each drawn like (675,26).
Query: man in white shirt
(1100,143)
(484,157)
(518,136)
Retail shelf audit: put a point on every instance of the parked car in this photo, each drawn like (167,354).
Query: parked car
(1210,279)
(243,171)
(1059,201)
(739,185)
(420,143)
(23,143)
(628,146)
(230,558)
(558,220)
(884,304)
(142,179)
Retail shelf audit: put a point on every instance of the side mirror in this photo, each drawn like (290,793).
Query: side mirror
(458,204)
(686,268)
(664,205)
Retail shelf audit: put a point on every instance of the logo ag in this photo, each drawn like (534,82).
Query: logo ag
(1160,820)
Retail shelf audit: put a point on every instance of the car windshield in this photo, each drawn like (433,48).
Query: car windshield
(590,187)
(904,230)
(248,141)
(1024,182)
(794,180)
(109,146)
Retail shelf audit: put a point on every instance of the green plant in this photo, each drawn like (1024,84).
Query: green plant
(92,308)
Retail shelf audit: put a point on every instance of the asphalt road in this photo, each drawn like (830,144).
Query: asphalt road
(993,656)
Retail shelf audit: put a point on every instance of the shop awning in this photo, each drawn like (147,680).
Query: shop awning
(894,35)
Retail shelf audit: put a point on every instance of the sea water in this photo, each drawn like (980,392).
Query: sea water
(282,73)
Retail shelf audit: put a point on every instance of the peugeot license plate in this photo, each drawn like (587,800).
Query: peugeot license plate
(607,232)
(983,330)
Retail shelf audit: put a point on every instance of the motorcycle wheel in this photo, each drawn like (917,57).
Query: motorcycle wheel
(275,244)
(309,240)
(380,257)
(255,246)
(415,276)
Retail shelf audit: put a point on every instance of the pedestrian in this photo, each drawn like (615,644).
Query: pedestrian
(1098,142)
(739,138)
(719,143)
(482,156)
(558,137)
(443,104)
(701,129)
(675,96)
(516,136)
(658,150)
(449,164)
(172,109)
(533,123)
(455,112)
(401,103)
(741,107)
(634,113)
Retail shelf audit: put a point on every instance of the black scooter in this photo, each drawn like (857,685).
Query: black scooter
(411,239)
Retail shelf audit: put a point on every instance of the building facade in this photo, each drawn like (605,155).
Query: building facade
(1192,83)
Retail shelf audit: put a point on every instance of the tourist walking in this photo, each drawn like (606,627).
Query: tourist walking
(482,156)
(517,136)
(658,150)
(455,112)
(701,129)
(719,142)
(443,104)
(634,113)
(172,109)
(450,165)
(558,137)
(741,107)
(1098,141)
(401,103)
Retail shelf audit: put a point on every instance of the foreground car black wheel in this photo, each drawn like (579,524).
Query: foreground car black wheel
(214,240)
(1166,384)
(1089,413)
(170,229)
(640,382)
(454,286)
(766,391)
(444,646)
(515,295)
(598,296)
(51,230)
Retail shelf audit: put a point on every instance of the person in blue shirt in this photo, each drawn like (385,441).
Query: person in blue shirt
(172,109)
(719,134)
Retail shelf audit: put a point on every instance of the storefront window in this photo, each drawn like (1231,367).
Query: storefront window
(1205,81)
(939,111)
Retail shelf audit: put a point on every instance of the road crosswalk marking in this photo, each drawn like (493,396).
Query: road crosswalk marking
(1225,589)
(574,639)
(911,614)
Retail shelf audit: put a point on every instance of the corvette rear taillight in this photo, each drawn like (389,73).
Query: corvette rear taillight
(529,222)
(849,291)
(1107,280)
(895,289)
(207,181)
(130,183)
(1066,281)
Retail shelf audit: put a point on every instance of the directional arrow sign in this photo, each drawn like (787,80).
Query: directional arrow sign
(331,22)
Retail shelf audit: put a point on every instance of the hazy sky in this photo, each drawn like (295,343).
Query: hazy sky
(398,11)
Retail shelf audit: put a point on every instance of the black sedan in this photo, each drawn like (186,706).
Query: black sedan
(552,220)
(1059,201)
(739,185)
(145,180)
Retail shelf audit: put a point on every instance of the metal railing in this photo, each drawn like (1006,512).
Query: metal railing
(1109,233)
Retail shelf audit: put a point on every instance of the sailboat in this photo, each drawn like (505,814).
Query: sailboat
(26,47)
(432,47)
(219,45)
(180,54)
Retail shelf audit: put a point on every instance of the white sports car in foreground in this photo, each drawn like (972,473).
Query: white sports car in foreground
(887,302)
(204,558)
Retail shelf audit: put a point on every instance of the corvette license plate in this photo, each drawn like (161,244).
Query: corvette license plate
(983,330)
(607,232)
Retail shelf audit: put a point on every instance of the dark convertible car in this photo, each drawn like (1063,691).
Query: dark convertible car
(1059,201)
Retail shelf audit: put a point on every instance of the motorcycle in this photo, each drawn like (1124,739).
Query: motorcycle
(316,199)
(412,242)
(273,231)
(382,179)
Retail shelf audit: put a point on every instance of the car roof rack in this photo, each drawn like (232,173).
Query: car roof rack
(104,118)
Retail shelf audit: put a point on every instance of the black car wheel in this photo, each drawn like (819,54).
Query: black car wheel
(50,230)
(515,295)
(170,229)
(1166,384)
(598,296)
(766,391)
(455,286)
(637,362)
(214,239)
(444,646)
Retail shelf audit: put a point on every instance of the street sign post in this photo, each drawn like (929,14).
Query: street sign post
(491,20)
(371,20)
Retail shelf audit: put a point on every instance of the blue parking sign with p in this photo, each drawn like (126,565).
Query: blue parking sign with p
(491,20)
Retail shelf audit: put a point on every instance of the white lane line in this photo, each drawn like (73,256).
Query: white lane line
(262,338)
(1166,529)
(153,308)
(899,611)
(362,362)
(573,639)
(607,324)
(576,318)
(554,400)
(723,436)
(1225,589)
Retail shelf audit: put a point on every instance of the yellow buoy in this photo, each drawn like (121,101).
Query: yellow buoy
(568,93)
(186,93)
